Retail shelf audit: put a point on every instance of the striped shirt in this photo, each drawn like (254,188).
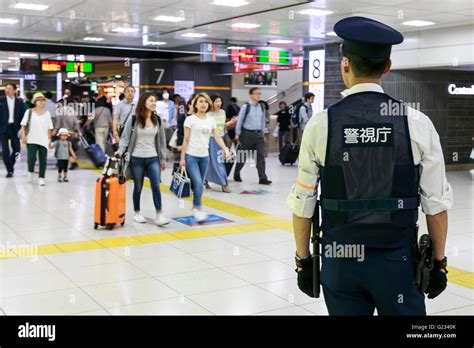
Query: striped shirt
(219,116)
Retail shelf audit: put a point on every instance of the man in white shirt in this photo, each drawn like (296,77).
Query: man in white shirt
(11,113)
(375,168)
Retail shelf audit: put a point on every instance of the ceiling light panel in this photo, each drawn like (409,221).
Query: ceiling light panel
(243,25)
(194,35)
(418,23)
(230,3)
(172,19)
(29,6)
(315,12)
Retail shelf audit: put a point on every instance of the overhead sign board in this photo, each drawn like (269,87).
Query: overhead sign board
(261,56)
(65,66)
(211,52)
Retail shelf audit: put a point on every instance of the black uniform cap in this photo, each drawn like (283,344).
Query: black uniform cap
(366,37)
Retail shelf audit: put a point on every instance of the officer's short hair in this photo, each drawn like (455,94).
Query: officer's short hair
(11,84)
(366,67)
(48,95)
(307,96)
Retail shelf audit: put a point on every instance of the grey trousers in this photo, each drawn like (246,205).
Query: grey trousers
(283,136)
(251,141)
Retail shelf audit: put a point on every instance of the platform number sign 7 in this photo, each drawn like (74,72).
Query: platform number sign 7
(160,72)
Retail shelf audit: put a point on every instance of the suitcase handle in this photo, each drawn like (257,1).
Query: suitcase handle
(83,141)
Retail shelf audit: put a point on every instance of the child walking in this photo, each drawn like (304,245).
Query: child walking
(62,153)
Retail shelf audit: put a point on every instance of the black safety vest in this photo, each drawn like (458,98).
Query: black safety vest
(369,183)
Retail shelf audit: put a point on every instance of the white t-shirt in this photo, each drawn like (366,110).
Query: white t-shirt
(201,131)
(38,128)
(163,110)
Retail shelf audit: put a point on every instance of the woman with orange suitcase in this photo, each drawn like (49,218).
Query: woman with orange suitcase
(143,143)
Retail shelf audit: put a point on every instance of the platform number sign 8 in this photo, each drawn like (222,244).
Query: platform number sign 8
(316,71)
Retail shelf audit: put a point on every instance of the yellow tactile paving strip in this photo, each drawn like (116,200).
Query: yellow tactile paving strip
(262,222)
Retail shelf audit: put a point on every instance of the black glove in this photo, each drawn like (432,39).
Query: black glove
(437,284)
(305,276)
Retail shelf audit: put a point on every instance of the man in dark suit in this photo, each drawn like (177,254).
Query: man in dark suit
(11,114)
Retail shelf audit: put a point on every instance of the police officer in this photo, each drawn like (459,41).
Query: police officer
(374,170)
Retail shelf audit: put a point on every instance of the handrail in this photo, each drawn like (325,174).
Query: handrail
(274,98)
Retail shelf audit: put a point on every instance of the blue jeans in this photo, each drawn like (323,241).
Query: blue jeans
(151,168)
(197,170)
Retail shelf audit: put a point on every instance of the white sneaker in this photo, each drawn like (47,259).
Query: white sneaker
(41,182)
(161,219)
(199,215)
(29,177)
(139,218)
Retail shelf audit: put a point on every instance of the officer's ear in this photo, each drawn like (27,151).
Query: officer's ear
(387,67)
(345,64)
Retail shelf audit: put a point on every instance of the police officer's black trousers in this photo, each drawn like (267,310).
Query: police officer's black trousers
(383,280)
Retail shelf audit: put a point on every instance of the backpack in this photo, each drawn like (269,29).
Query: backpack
(295,116)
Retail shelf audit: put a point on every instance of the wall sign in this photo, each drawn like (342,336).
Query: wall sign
(316,73)
(184,88)
(454,90)
(211,52)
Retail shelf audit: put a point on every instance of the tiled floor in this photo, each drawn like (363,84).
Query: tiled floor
(229,271)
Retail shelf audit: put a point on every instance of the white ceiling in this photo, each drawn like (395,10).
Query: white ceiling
(69,21)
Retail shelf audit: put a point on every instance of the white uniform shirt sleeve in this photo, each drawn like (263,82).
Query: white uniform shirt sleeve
(436,194)
(303,195)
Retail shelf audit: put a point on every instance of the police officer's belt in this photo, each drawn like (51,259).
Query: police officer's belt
(370,204)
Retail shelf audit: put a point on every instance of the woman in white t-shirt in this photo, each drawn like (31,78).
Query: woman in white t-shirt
(195,152)
(36,128)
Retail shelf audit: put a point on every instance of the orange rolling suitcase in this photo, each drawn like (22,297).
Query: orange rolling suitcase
(110,196)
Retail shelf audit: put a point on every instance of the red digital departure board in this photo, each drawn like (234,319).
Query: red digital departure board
(60,65)
(53,65)
(261,56)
